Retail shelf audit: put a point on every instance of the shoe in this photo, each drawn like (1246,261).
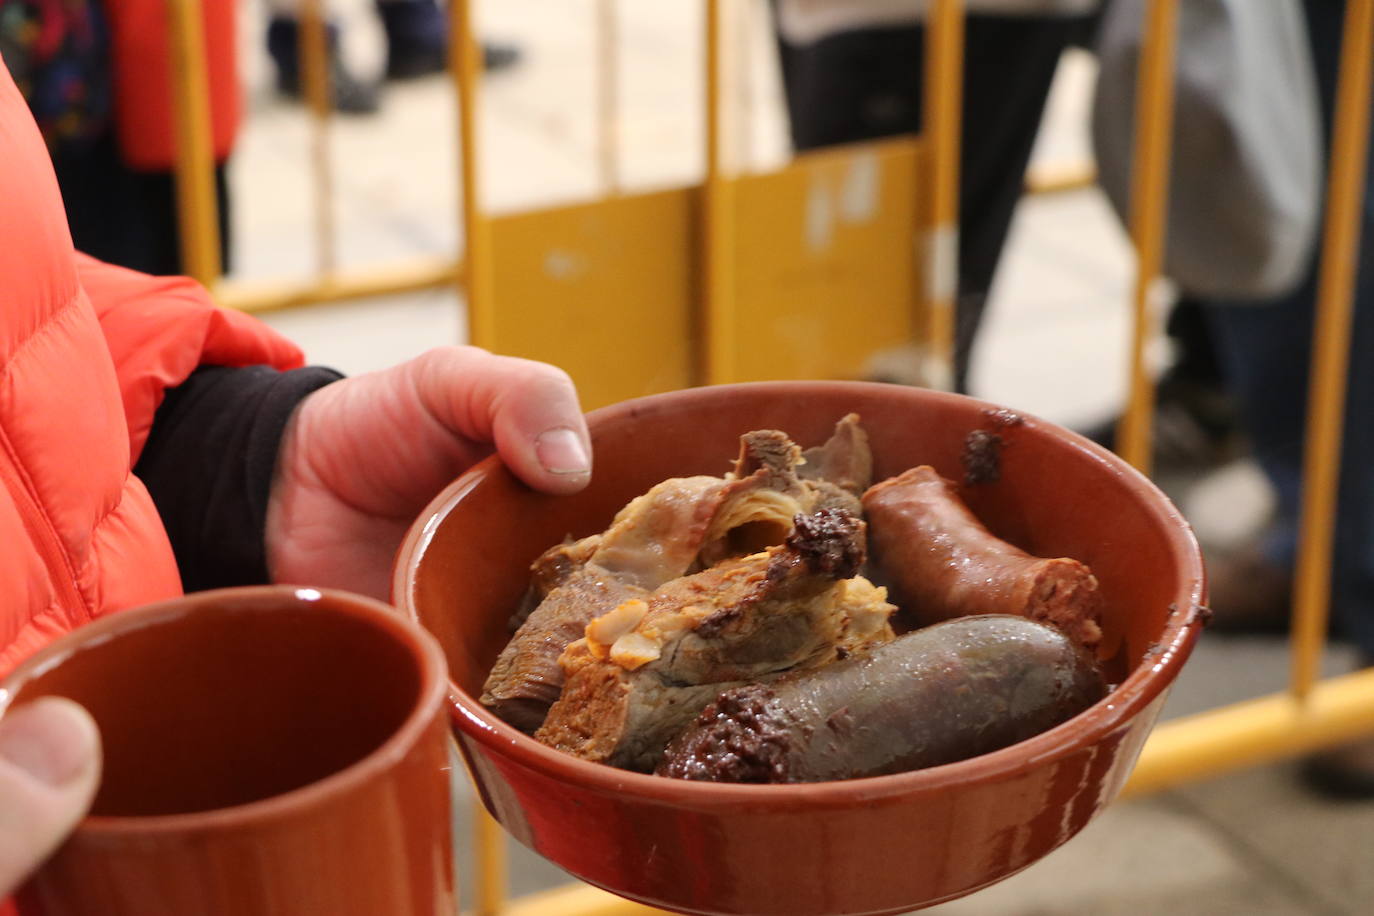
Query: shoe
(416,38)
(417,41)
(350,95)
(497,56)
(1196,427)
(1346,772)
(1249,594)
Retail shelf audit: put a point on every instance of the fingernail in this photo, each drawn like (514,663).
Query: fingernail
(52,740)
(561,451)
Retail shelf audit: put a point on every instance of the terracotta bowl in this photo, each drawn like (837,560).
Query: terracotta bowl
(881,845)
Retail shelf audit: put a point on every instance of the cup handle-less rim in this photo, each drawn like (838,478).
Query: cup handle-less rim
(429,701)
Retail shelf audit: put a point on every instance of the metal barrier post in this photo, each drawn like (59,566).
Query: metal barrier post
(608,96)
(197,207)
(746,24)
(489,860)
(1154,112)
(1331,346)
(465,66)
(1254,732)
(316,84)
(717,333)
(942,106)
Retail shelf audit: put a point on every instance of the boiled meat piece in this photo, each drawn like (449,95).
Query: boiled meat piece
(527,679)
(557,564)
(678,527)
(763,496)
(774,481)
(840,470)
(646,668)
(653,539)
(658,535)
(553,568)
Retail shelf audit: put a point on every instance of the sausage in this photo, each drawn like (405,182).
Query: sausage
(948,692)
(940,562)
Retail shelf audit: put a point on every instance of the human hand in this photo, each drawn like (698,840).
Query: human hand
(361,457)
(49,770)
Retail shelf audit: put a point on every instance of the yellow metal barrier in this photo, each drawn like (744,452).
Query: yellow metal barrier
(1308,716)
(943,96)
(1149,201)
(197,218)
(1257,731)
(466,64)
(317,86)
(401,277)
(608,96)
(718,353)
(728,232)
(1331,344)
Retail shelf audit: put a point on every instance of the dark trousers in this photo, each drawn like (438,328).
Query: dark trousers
(866,84)
(1265,352)
(124,216)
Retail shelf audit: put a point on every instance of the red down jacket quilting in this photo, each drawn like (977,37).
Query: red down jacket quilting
(86,352)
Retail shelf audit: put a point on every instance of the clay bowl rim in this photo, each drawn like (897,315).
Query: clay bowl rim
(1146,682)
(433,677)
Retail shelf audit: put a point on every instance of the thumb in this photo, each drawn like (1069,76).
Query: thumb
(49,769)
(528,409)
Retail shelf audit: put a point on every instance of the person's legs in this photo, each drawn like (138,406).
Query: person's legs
(853,86)
(351,95)
(866,84)
(1187,329)
(1266,352)
(417,40)
(416,45)
(1009,67)
(124,216)
(416,37)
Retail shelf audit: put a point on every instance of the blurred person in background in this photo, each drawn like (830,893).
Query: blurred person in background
(1244,184)
(96,76)
(1197,424)
(1240,376)
(416,33)
(1254,105)
(852,71)
(1265,351)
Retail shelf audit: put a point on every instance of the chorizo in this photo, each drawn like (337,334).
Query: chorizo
(941,562)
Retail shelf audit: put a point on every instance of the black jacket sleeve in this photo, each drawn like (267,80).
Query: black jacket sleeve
(209,461)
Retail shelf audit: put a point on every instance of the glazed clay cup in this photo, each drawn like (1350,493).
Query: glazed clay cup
(268,750)
(888,844)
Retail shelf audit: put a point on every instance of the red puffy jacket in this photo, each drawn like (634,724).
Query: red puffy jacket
(86,352)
